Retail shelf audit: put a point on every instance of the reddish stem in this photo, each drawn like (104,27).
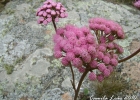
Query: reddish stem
(54,25)
(80,83)
(136,52)
(73,78)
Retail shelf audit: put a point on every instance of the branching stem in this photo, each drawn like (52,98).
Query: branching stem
(80,83)
(132,55)
(73,78)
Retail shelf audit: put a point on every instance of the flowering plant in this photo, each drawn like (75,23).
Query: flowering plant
(51,11)
(137,4)
(88,48)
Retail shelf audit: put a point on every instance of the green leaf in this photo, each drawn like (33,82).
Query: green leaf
(85,91)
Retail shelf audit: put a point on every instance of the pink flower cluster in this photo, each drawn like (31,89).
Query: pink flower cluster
(50,10)
(137,4)
(82,49)
(109,30)
(74,45)
(105,59)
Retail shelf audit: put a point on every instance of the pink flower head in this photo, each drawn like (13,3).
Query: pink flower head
(72,40)
(87,58)
(94,26)
(81,69)
(77,62)
(84,53)
(119,49)
(90,39)
(107,30)
(114,62)
(70,27)
(84,47)
(77,50)
(113,27)
(64,61)
(106,72)
(110,45)
(137,4)
(100,55)
(79,33)
(80,47)
(57,54)
(102,27)
(101,67)
(78,43)
(106,60)
(91,49)
(63,43)
(108,27)
(68,47)
(110,68)
(53,9)
(115,56)
(102,48)
(98,20)
(85,30)
(57,48)
(103,39)
(60,31)
(100,78)
(111,37)
(69,34)
(93,64)
(57,38)
(108,54)
(120,34)
(92,76)
(82,40)
(70,56)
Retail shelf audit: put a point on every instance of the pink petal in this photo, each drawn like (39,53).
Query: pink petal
(53,4)
(49,19)
(58,7)
(48,15)
(53,12)
(45,22)
(56,19)
(44,14)
(45,6)
(40,13)
(62,15)
(49,6)
(41,18)
(48,10)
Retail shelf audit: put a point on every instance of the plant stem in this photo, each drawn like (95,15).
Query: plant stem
(73,78)
(80,83)
(136,52)
(54,25)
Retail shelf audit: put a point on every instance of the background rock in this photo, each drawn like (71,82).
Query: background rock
(39,75)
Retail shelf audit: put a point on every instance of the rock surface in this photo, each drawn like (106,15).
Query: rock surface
(39,76)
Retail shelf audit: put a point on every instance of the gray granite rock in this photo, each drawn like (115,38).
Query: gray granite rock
(35,65)
(20,35)
(54,94)
(66,83)
(23,8)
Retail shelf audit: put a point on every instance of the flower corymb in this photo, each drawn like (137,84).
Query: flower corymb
(49,11)
(95,49)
